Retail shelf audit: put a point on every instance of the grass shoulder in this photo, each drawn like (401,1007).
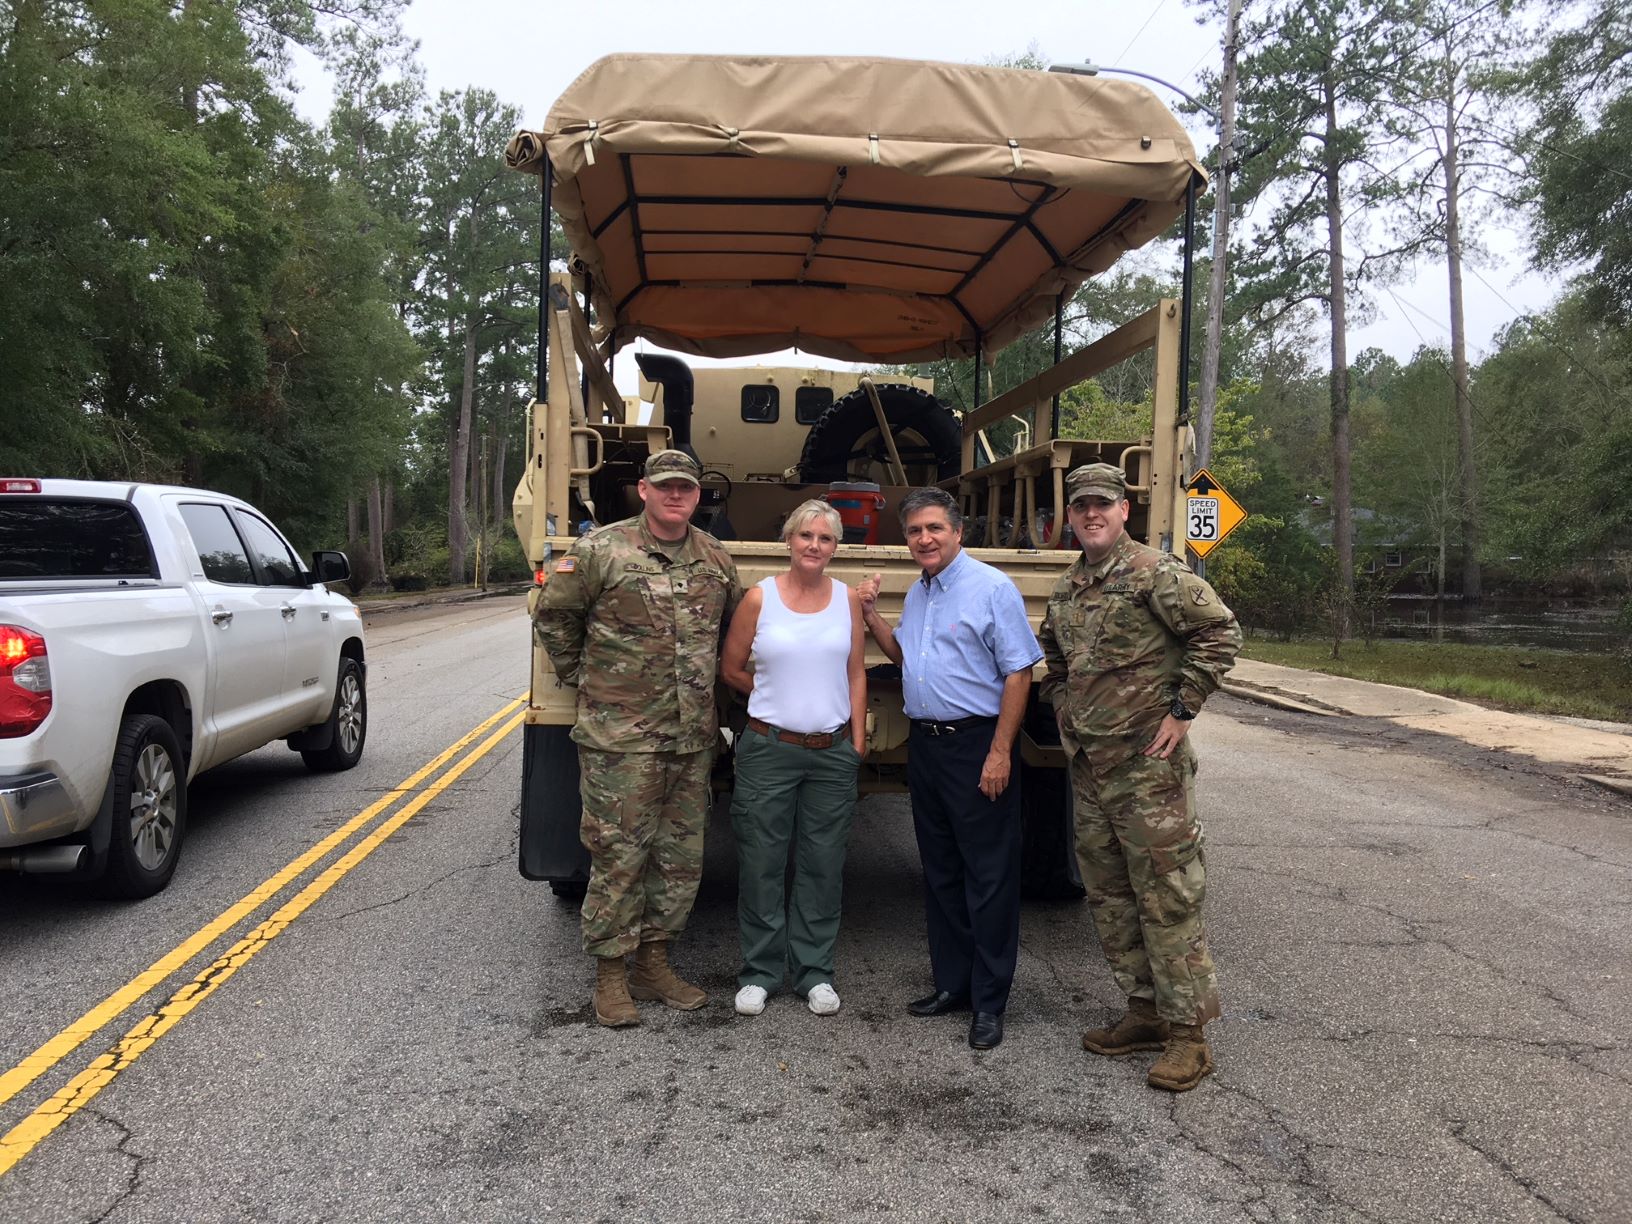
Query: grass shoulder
(1574,684)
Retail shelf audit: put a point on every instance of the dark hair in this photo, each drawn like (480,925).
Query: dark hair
(925,499)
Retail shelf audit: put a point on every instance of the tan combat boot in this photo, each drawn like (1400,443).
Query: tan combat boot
(653,979)
(1139,1029)
(1185,1060)
(613,1006)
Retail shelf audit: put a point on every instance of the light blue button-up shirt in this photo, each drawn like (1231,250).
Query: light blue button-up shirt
(961,633)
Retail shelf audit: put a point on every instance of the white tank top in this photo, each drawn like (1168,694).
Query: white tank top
(801,659)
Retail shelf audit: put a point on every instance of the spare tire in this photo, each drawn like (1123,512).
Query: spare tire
(844,443)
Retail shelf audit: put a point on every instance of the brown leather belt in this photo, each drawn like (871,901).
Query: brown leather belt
(815,739)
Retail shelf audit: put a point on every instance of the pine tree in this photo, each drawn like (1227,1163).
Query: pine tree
(1314,77)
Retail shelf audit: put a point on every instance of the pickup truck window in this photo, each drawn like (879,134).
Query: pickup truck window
(220,550)
(278,564)
(57,538)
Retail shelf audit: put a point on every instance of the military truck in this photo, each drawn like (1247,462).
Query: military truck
(873,211)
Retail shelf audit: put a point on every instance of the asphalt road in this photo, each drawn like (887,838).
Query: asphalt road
(1423,948)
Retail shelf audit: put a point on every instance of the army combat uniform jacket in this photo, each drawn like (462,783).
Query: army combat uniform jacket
(1122,637)
(635,623)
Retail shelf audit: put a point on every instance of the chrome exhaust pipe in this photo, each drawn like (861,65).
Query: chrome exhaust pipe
(44,860)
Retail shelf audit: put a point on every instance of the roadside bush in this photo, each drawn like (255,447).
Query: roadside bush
(1270,573)
(506,562)
(1369,604)
(414,552)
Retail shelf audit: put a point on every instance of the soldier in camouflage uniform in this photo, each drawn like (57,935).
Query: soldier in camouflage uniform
(632,615)
(1134,643)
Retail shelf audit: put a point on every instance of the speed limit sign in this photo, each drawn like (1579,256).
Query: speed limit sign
(1210,513)
(1203,512)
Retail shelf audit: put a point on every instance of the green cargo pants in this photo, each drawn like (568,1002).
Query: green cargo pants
(803,798)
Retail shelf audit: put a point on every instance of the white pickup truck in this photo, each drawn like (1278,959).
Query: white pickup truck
(148,633)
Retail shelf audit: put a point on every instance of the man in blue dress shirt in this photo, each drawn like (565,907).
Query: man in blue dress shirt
(966,654)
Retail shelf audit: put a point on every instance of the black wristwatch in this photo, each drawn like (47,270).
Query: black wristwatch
(1178,711)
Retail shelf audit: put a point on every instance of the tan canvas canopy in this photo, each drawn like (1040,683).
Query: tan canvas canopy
(863,209)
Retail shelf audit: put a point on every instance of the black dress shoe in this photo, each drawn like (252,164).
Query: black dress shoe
(938,1004)
(985,1031)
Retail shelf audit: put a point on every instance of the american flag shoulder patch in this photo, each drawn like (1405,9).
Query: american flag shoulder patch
(566,565)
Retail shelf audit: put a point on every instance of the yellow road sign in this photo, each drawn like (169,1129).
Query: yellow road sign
(1210,513)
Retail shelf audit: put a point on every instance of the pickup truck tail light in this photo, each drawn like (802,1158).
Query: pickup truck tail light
(25,682)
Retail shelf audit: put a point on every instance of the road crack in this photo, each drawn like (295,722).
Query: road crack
(1418,935)
(484,865)
(138,1162)
(1459,1131)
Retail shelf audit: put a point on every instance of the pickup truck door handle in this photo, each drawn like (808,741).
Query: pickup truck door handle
(221,616)
(288,612)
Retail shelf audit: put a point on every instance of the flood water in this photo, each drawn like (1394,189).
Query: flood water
(1498,622)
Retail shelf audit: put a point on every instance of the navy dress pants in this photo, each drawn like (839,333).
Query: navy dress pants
(970,847)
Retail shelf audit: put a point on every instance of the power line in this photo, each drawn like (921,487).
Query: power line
(1200,60)
(1137,34)
(1439,361)
(1600,167)
(1536,322)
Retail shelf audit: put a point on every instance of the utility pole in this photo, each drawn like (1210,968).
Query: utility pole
(1221,242)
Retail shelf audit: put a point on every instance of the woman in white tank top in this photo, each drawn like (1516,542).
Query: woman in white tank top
(795,648)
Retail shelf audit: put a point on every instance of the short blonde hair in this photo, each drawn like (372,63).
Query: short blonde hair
(805,511)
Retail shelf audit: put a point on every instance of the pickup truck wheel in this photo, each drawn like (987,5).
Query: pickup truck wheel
(348,723)
(149,808)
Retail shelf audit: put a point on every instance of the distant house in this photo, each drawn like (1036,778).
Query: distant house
(1382,543)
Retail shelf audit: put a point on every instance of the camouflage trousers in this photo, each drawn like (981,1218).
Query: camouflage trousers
(1139,846)
(644,818)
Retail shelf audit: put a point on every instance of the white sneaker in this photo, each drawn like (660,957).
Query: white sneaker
(751,1001)
(823,999)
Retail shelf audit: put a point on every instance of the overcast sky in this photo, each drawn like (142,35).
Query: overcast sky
(528,52)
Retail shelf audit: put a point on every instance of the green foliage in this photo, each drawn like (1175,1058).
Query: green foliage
(1271,570)
(1578,151)
(506,562)
(1087,412)
(1116,404)
(185,294)
(196,286)
(1272,573)
(475,306)
(1407,466)
(1373,587)
(416,554)
(1313,97)
(112,208)
(1554,401)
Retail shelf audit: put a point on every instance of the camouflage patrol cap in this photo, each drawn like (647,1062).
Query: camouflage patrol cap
(672,465)
(1096,480)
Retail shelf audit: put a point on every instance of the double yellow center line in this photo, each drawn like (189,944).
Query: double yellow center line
(105,1068)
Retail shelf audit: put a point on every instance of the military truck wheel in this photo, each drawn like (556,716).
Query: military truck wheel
(149,798)
(1048,848)
(845,444)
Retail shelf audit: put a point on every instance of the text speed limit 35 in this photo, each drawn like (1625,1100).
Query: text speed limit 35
(1203,512)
